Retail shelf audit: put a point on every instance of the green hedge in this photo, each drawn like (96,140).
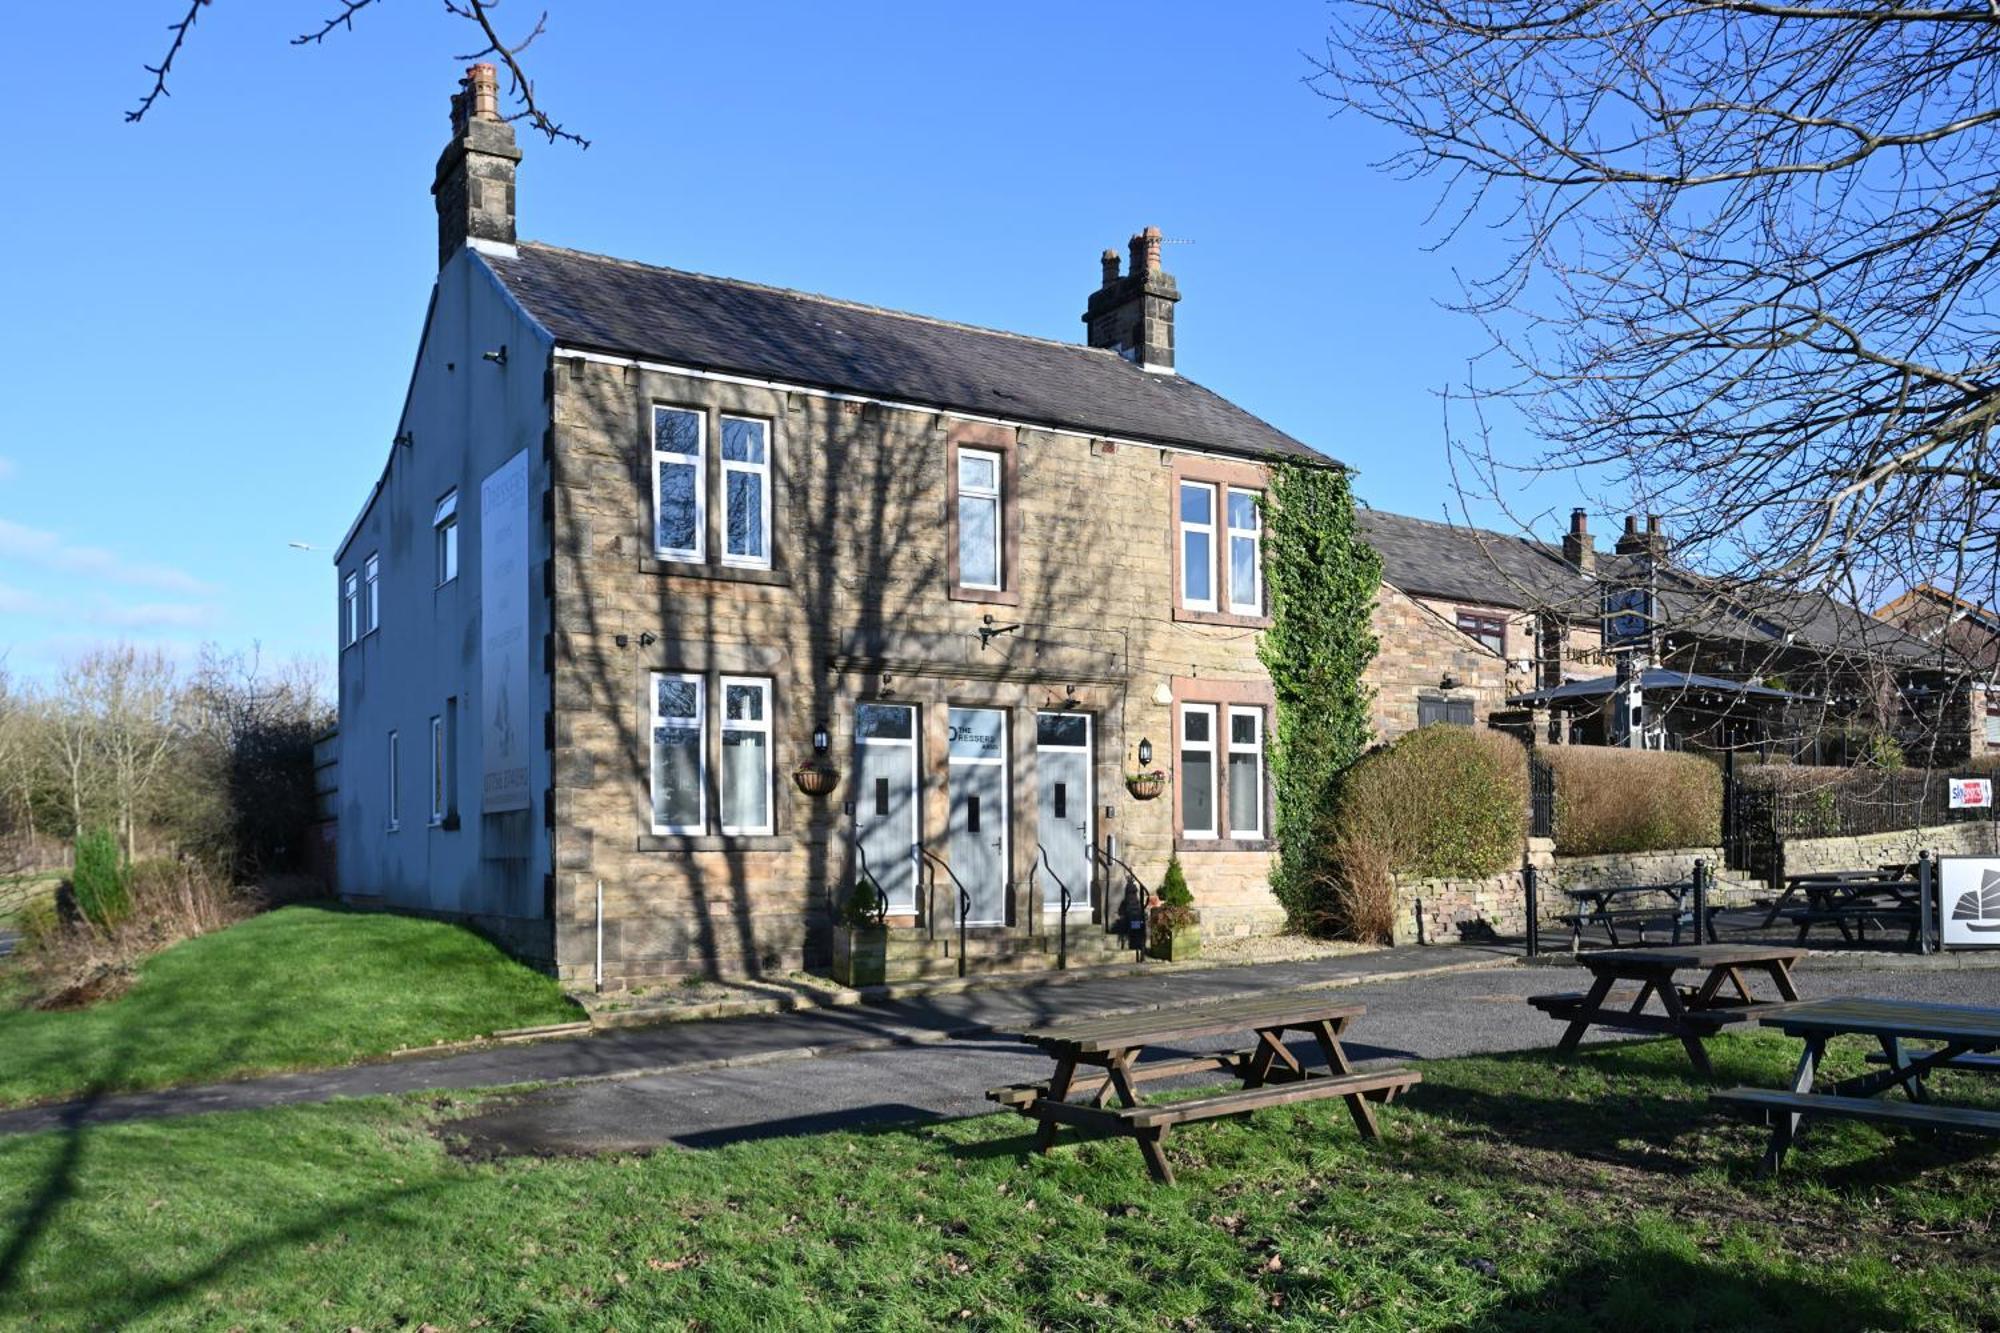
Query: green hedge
(1443,800)
(1610,800)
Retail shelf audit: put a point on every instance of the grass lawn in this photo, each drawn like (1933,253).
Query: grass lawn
(300,987)
(1509,1193)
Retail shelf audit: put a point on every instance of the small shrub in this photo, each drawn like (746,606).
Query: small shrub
(1881,751)
(864,905)
(1173,886)
(1441,801)
(98,879)
(1614,800)
(72,963)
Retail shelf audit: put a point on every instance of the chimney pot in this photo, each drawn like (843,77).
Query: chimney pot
(1631,525)
(1146,252)
(1110,261)
(483,82)
(1579,548)
(1652,522)
(1579,522)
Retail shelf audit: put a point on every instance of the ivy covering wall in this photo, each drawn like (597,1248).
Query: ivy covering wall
(1321,579)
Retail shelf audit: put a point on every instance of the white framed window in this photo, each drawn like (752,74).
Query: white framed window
(1993,718)
(1246,553)
(1197,510)
(371,578)
(679,768)
(444,525)
(746,492)
(394,793)
(746,755)
(1246,773)
(350,609)
(680,493)
(437,771)
(1197,775)
(979,481)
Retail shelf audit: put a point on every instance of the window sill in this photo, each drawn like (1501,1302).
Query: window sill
(687,569)
(449,824)
(710,842)
(1184,614)
(1224,844)
(984,596)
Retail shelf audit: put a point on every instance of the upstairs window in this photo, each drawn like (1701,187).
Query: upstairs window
(746,491)
(1246,557)
(350,610)
(1197,508)
(979,480)
(371,576)
(1992,718)
(1489,629)
(444,526)
(680,503)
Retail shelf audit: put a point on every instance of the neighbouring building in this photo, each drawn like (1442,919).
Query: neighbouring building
(1969,634)
(647,541)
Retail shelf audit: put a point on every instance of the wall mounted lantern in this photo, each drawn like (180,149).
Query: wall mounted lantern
(1145,753)
(820,740)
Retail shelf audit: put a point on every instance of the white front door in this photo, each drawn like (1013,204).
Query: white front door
(1062,769)
(885,800)
(977,764)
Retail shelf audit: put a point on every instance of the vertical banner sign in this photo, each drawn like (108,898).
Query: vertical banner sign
(1969,901)
(503,628)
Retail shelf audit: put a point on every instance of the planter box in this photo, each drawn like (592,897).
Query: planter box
(860,955)
(1177,945)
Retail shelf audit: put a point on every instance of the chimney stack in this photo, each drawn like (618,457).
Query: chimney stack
(1651,542)
(474,187)
(1579,547)
(1134,315)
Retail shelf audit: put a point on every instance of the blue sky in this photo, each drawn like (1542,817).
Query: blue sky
(211,315)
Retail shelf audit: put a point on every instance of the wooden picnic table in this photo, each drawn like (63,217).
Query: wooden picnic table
(1850,901)
(1269,1072)
(1690,1013)
(1826,883)
(1961,1036)
(1599,907)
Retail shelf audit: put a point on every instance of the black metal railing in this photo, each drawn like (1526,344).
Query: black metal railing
(936,863)
(1062,900)
(867,875)
(1135,893)
(1541,798)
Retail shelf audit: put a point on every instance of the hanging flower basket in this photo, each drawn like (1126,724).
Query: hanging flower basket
(1146,786)
(816,779)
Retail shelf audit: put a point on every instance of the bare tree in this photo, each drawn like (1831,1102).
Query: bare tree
(131,700)
(478,13)
(1746,276)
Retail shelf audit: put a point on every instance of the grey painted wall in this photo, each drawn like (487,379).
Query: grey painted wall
(465,416)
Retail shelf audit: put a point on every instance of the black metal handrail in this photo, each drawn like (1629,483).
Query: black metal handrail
(964,898)
(1133,884)
(881,897)
(1063,898)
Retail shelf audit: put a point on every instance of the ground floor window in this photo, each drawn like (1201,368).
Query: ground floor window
(688,735)
(1246,772)
(1221,775)
(1992,718)
(1197,775)
(1432,709)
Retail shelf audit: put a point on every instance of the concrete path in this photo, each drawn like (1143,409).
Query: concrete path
(685,1047)
(1423,1018)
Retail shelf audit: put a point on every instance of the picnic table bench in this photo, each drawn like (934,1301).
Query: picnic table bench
(1603,906)
(1957,1033)
(1691,1013)
(1270,1073)
(1827,890)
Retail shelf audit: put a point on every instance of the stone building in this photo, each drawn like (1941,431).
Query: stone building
(648,541)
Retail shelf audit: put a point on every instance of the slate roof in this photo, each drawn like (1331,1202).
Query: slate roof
(1651,679)
(596,303)
(1469,564)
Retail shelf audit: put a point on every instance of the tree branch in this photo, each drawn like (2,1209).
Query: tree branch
(160,71)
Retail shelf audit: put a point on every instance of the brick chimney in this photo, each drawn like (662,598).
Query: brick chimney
(475,173)
(1652,541)
(1134,315)
(1579,547)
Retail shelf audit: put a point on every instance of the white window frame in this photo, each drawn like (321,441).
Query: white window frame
(725,724)
(653,721)
(762,471)
(697,553)
(995,493)
(395,783)
(371,583)
(1255,748)
(1254,534)
(1212,833)
(445,525)
(1182,527)
(437,770)
(350,608)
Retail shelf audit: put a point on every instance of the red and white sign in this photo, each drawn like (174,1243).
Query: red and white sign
(1971,793)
